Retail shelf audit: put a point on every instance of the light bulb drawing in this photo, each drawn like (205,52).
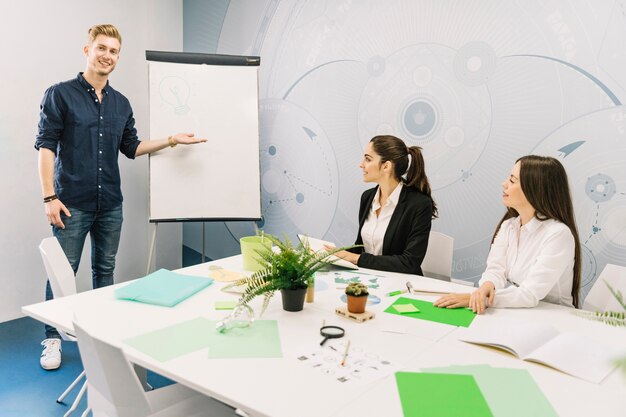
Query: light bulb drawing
(175,92)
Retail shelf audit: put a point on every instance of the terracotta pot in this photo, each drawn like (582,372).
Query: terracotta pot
(356,304)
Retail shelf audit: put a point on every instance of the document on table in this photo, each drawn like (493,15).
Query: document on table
(360,367)
(317,245)
(571,353)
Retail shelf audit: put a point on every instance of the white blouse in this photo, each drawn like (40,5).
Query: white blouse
(374,227)
(531,263)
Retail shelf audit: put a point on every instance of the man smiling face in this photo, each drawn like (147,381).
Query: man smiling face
(102,55)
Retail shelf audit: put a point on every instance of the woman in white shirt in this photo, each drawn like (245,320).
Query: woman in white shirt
(395,216)
(535,251)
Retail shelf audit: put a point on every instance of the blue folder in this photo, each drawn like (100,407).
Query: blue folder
(163,287)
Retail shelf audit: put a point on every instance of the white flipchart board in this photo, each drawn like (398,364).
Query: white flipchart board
(219,179)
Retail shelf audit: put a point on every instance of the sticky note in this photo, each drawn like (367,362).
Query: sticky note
(406,308)
(225,305)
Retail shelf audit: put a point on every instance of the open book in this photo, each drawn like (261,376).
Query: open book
(571,353)
(318,245)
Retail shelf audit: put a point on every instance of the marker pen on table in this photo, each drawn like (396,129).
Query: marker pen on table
(392,293)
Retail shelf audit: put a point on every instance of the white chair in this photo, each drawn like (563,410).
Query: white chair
(437,262)
(600,298)
(115,390)
(63,283)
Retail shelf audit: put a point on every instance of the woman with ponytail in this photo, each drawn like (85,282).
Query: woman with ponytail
(535,251)
(395,216)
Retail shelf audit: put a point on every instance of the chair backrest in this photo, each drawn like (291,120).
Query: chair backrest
(58,268)
(600,298)
(114,389)
(437,262)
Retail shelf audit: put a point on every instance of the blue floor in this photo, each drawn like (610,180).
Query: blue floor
(26,390)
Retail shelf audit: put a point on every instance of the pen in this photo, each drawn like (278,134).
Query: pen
(343,361)
(392,293)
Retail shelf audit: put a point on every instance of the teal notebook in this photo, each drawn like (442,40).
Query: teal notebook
(163,288)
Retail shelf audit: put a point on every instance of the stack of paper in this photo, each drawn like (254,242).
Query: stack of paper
(477,390)
(163,287)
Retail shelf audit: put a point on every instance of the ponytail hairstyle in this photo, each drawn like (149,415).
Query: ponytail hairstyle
(544,183)
(394,150)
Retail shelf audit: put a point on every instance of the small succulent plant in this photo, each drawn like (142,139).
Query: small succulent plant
(356,289)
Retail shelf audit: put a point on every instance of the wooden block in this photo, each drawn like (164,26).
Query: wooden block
(358,317)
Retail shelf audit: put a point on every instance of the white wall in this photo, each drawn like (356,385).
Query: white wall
(41,44)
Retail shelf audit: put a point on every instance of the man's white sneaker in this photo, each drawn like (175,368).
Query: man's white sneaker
(51,355)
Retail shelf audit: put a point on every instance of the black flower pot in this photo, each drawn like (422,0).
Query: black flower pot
(293,300)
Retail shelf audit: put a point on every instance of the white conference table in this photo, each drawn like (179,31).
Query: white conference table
(285,386)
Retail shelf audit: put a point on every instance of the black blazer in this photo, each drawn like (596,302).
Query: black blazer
(406,237)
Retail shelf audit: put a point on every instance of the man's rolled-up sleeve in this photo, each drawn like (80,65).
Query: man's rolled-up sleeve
(50,128)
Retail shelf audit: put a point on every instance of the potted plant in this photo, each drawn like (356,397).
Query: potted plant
(289,269)
(356,296)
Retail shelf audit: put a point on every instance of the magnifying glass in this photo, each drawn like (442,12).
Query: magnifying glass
(331,332)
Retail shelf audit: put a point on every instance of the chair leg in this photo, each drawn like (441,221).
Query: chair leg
(77,400)
(86,412)
(70,388)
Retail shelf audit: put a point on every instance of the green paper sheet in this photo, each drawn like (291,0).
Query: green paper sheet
(509,392)
(406,308)
(441,395)
(456,317)
(163,287)
(226,305)
(261,340)
(174,341)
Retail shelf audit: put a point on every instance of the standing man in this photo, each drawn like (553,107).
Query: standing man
(83,125)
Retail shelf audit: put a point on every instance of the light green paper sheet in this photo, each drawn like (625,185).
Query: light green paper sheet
(162,287)
(226,305)
(174,341)
(261,340)
(509,392)
(406,308)
(441,395)
(427,311)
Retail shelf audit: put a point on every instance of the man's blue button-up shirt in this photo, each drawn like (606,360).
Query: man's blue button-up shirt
(86,136)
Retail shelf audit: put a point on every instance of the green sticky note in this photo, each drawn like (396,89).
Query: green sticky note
(225,305)
(441,395)
(406,308)
(427,311)
(173,341)
(509,392)
(261,340)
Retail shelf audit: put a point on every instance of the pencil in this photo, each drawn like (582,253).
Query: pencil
(343,361)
